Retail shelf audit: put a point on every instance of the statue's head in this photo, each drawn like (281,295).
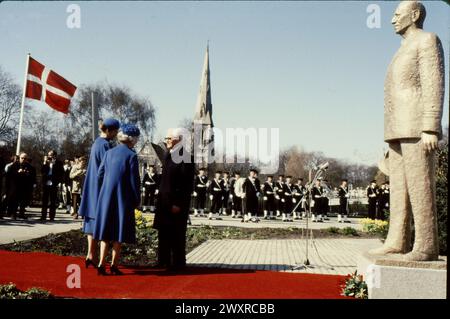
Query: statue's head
(408,14)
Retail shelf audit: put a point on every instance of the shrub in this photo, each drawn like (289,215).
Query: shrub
(10,291)
(376,227)
(349,231)
(333,230)
(441,196)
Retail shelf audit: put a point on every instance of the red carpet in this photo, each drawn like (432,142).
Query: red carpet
(48,271)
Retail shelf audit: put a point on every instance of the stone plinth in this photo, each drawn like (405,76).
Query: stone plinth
(389,277)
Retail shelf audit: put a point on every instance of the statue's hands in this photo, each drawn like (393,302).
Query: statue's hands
(430,141)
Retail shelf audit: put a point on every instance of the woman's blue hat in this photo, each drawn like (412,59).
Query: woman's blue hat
(130,130)
(111,123)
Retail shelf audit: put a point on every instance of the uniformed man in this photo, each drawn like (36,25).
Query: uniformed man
(383,201)
(372,195)
(327,193)
(215,190)
(200,189)
(288,197)
(279,198)
(268,189)
(251,188)
(150,184)
(300,197)
(343,202)
(226,192)
(237,194)
(317,196)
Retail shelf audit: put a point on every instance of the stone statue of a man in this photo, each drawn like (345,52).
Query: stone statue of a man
(414,93)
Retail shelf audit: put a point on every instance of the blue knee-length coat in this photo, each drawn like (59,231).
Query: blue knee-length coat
(91,188)
(119,196)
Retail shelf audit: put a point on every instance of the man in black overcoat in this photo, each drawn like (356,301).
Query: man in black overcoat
(172,211)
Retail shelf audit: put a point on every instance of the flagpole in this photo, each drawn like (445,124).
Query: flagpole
(23,105)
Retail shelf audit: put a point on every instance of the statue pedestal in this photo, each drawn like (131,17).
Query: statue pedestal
(389,277)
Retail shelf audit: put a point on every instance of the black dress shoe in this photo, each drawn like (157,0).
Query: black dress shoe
(101,271)
(115,271)
(88,262)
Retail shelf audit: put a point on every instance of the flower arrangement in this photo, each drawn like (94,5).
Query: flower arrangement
(375,226)
(142,221)
(355,286)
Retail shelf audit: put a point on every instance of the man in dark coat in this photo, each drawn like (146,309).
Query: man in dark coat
(269,198)
(215,190)
(372,196)
(200,188)
(317,196)
(52,174)
(173,204)
(251,188)
(343,202)
(23,178)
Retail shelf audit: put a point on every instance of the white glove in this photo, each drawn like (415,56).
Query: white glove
(231,196)
(210,197)
(277,197)
(294,200)
(148,183)
(347,195)
(143,189)
(282,200)
(194,193)
(265,197)
(156,192)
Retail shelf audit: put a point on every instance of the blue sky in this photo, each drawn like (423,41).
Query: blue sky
(312,69)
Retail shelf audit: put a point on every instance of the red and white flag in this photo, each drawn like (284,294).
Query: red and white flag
(46,85)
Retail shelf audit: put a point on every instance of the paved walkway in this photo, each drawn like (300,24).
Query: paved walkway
(332,256)
(18,230)
(228,221)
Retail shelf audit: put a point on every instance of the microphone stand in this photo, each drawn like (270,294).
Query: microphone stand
(309,232)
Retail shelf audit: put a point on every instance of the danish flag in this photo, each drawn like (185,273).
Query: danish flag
(46,85)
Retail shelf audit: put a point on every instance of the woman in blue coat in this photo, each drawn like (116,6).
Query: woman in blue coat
(88,205)
(119,197)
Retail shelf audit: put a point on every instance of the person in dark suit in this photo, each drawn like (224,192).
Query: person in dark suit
(215,190)
(372,195)
(269,198)
(317,196)
(52,174)
(288,195)
(150,184)
(251,188)
(299,196)
(200,188)
(23,178)
(172,211)
(279,197)
(226,182)
(343,202)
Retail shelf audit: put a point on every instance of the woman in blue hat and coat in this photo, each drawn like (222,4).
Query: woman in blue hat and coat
(119,197)
(88,206)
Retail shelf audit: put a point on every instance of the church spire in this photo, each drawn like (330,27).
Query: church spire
(203,109)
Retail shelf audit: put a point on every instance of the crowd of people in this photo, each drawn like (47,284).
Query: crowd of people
(61,186)
(250,200)
(378,198)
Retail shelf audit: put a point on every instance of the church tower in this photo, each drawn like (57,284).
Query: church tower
(203,123)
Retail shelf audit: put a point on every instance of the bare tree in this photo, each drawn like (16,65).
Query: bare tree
(10,97)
